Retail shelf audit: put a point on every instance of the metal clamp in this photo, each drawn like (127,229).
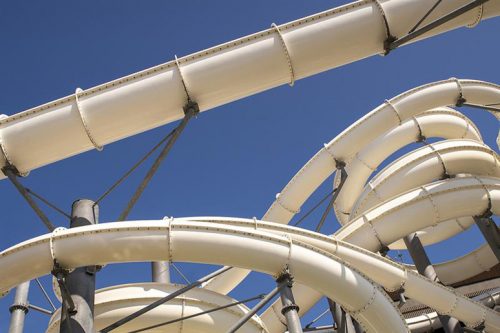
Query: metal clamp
(287,54)
(460,100)
(390,38)
(79,108)
(60,274)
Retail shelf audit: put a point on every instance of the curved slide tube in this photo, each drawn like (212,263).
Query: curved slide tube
(382,119)
(410,212)
(133,241)
(114,303)
(389,274)
(423,166)
(204,243)
(109,112)
(430,124)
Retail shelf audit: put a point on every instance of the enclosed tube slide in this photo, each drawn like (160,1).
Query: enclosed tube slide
(204,243)
(394,119)
(117,302)
(109,112)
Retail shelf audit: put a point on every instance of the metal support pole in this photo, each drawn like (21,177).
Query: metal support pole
(81,282)
(345,324)
(290,310)
(424,267)
(254,310)
(490,231)
(19,309)
(160,271)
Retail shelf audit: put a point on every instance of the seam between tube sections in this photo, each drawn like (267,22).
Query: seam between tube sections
(181,325)
(440,158)
(3,150)
(79,109)
(374,231)
(290,210)
(169,237)
(287,54)
(365,163)
(182,78)
(367,305)
(51,243)
(478,18)
(396,112)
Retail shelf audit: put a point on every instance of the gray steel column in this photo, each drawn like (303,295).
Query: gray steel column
(19,309)
(490,232)
(290,310)
(160,271)
(424,267)
(81,282)
(345,323)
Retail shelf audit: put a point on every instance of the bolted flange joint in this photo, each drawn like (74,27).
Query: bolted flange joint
(290,307)
(23,307)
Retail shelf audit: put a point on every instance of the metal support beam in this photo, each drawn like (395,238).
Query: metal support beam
(11,173)
(198,314)
(290,310)
(343,178)
(81,282)
(424,267)
(190,110)
(254,310)
(490,231)
(446,18)
(160,271)
(163,300)
(19,309)
(345,324)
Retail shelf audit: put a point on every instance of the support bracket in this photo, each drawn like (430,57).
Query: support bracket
(60,274)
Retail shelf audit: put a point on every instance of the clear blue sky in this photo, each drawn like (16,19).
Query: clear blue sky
(230,161)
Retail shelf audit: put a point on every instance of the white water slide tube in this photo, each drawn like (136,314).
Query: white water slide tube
(103,114)
(314,259)
(393,119)
(412,211)
(204,243)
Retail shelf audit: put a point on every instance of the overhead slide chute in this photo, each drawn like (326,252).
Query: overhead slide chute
(94,117)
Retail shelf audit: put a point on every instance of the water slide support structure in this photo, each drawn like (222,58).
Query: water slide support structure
(81,281)
(19,309)
(290,310)
(424,267)
(160,271)
(490,233)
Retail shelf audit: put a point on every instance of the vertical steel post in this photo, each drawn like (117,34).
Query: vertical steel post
(490,233)
(160,271)
(290,310)
(345,323)
(424,267)
(19,309)
(81,281)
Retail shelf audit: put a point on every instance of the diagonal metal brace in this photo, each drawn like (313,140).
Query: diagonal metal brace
(11,172)
(389,46)
(60,274)
(343,178)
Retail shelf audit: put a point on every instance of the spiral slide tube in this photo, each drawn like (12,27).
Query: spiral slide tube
(389,274)
(109,112)
(422,166)
(114,303)
(387,119)
(412,211)
(204,243)
(430,124)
